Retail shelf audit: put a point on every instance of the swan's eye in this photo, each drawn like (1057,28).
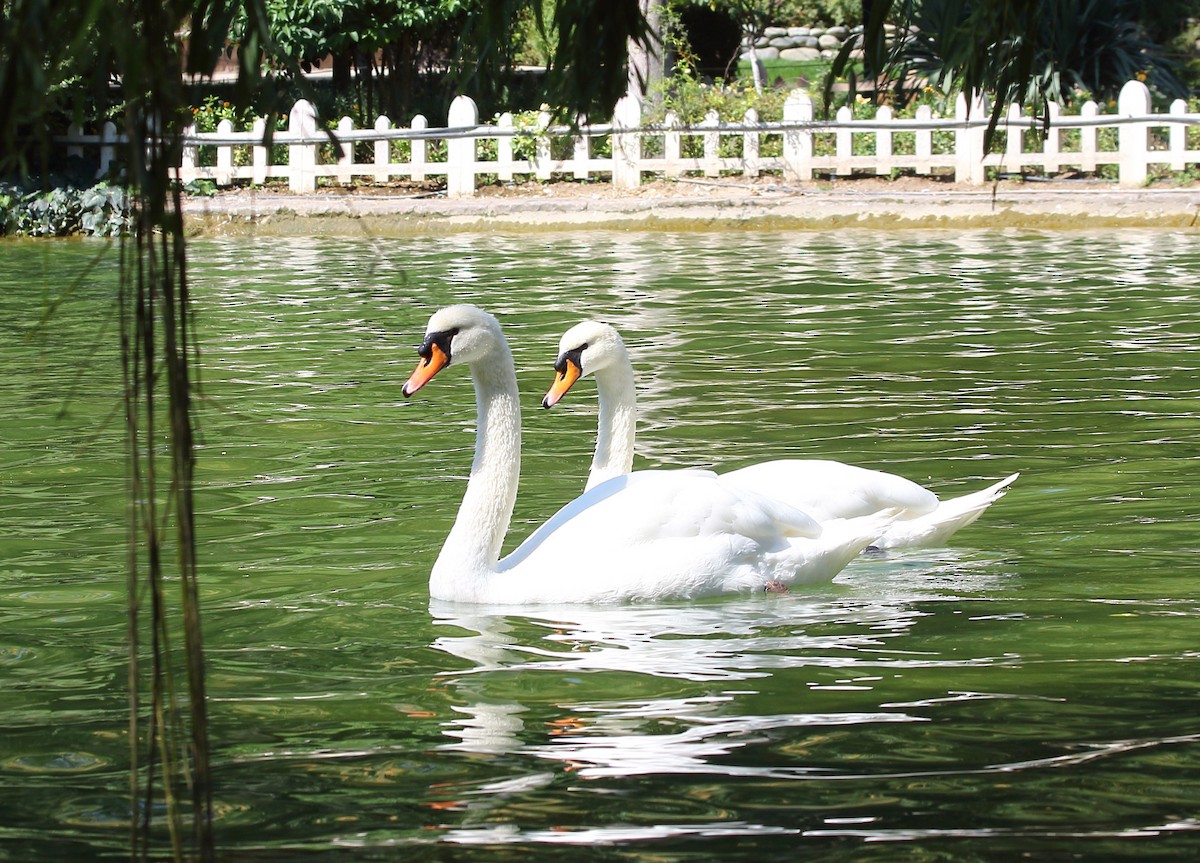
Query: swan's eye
(440,340)
(575,355)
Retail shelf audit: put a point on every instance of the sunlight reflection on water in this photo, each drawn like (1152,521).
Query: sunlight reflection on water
(1029,691)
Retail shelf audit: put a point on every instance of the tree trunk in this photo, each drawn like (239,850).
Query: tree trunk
(647,63)
(341,70)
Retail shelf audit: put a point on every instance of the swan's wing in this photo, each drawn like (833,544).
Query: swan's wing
(593,497)
(765,518)
(952,515)
(651,506)
(832,489)
(669,534)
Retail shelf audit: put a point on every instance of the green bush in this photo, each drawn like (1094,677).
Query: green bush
(690,99)
(101,211)
(808,13)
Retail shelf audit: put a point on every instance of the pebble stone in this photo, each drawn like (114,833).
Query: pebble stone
(802,43)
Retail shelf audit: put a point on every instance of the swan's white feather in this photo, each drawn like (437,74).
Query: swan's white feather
(674,534)
(647,536)
(832,489)
(823,488)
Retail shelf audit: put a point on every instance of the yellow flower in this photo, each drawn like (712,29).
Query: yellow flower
(1143,75)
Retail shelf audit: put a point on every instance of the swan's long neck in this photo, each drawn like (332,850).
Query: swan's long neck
(469,555)
(617,423)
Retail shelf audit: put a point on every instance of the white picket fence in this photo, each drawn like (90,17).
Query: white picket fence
(898,144)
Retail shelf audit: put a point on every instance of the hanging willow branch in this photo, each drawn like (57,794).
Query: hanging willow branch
(55,55)
(169,748)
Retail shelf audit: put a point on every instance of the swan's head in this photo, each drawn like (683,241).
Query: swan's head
(584,349)
(461,333)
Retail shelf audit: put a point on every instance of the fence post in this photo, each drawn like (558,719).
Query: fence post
(1177,137)
(968,141)
(672,146)
(544,153)
(797,143)
(187,158)
(302,158)
(627,148)
(76,150)
(750,148)
(1014,132)
(1132,138)
(382,149)
(258,174)
(417,151)
(460,152)
(843,141)
(1051,163)
(883,142)
(923,143)
(504,148)
(712,143)
(581,152)
(224,172)
(108,137)
(345,153)
(1087,138)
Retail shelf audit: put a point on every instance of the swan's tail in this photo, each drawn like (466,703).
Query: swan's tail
(842,540)
(951,515)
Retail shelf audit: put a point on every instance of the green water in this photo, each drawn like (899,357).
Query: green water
(1032,690)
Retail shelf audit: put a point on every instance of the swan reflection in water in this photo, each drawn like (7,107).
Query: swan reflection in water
(650,725)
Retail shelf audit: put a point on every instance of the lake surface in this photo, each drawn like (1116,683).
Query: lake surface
(1034,689)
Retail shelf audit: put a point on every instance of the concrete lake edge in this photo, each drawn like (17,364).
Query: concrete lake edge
(699,205)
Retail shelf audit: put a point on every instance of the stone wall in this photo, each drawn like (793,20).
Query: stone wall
(803,43)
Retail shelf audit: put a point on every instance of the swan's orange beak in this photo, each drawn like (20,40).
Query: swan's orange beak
(568,373)
(426,368)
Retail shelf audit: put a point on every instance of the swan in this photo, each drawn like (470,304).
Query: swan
(649,535)
(822,488)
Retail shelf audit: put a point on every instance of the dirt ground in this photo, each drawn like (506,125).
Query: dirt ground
(695,187)
(1068,202)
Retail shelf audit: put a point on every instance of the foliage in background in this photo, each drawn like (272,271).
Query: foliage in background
(212,111)
(691,99)
(454,46)
(47,70)
(756,15)
(1184,46)
(101,211)
(1090,45)
(1024,51)
(389,42)
(810,13)
(534,35)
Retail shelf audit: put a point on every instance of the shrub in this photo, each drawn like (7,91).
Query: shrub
(690,100)
(101,211)
(212,111)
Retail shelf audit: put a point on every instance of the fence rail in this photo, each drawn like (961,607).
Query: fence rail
(625,150)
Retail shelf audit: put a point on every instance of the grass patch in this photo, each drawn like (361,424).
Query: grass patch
(788,73)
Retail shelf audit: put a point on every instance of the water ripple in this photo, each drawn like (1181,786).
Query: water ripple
(1030,691)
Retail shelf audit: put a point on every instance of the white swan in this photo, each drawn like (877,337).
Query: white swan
(822,488)
(646,536)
